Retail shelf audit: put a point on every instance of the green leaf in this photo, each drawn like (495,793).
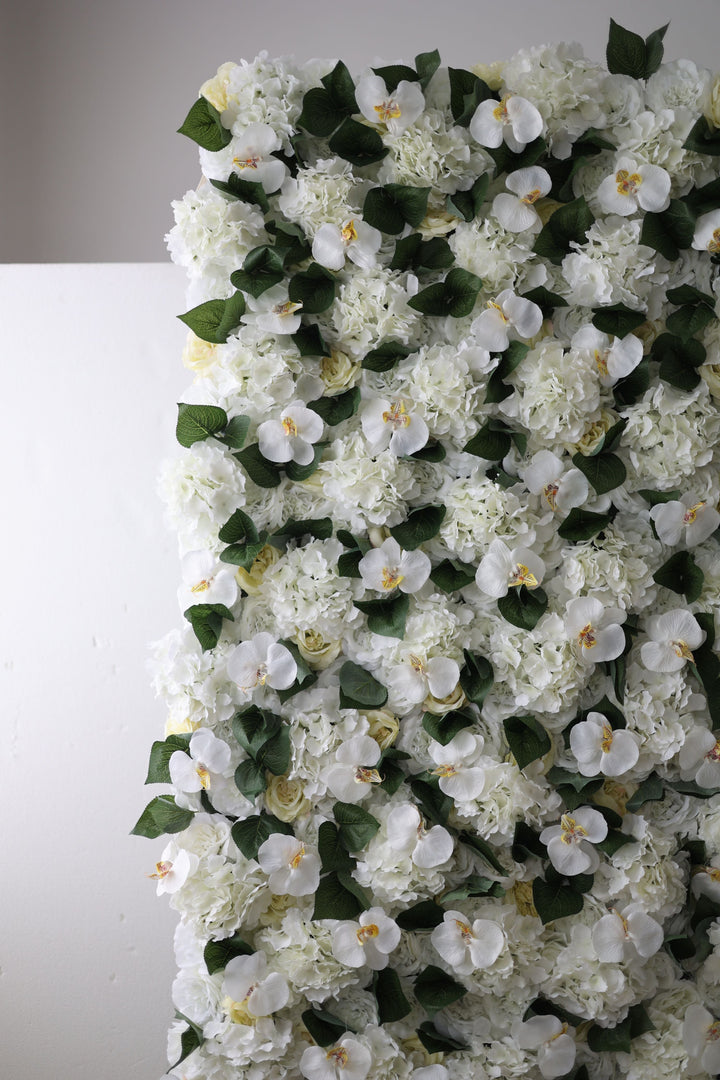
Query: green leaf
(688,294)
(476,677)
(555,901)
(527,739)
(475,885)
(444,728)
(627,391)
(583,524)
(204,126)
(707,666)
(250,779)
(506,160)
(190,1039)
(393,775)
(309,341)
(218,953)
(436,1043)
(321,114)
(333,410)
(244,190)
(359,689)
(414,253)
(466,93)
(678,360)
(262,269)
(451,574)
(262,472)
(421,525)
(435,989)
(198,422)
(357,143)
(235,433)
(610,1039)
(434,804)
(274,755)
(433,452)
(491,442)
(703,139)
(618,320)
(386,616)
(626,53)
(670,230)
(604,471)
(160,816)
(253,726)
(160,754)
(545,299)
(293,471)
(393,74)
(657,497)
(454,296)
(689,320)
(314,288)
(526,843)
(650,790)
(425,915)
(483,848)
(251,833)
(206,621)
(319,528)
(385,356)
(613,842)
(325,1028)
(340,85)
(654,50)
(392,207)
(392,1003)
(523,607)
(467,204)
(243,555)
(215,320)
(238,529)
(333,854)
(701,201)
(333,900)
(569,224)
(357,827)
(426,64)
(290,241)
(681,574)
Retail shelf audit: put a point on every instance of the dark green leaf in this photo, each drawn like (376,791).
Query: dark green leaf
(333,410)
(235,433)
(604,471)
(190,1039)
(426,64)
(392,1003)
(626,53)
(678,360)
(348,564)
(611,438)
(244,190)
(392,773)
(434,804)
(385,356)
(319,528)
(483,848)
(681,574)
(545,299)
(253,726)
(627,391)
(523,607)
(414,253)
(475,885)
(290,241)
(688,294)
(506,160)
(204,126)
(261,270)
(333,854)
(262,472)
(450,575)
(527,739)
(703,139)
(583,524)
(476,677)
(250,779)
(425,915)
(526,843)
(491,442)
(436,1043)
(217,953)
(393,74)
(198,422)
(555,901)
(357,143)
(357,827)
(314,288)
(618,320)
(251,833)
(454,296)
(654,50)
(296,472)
(333,900)
(274,755)
(421,525)
(161,815)
(325,1028)
(610,1039)
(321,114)
(433,452)
(444,728)
(340,85)
(392,207)
(670,230)
(435,989)
(565,778)
(160,754)
(466,93)
(309,341)
(359,689)
(466,204)
(707,666)
(701,201)
(243,555)
(386,616)
(650,790)
(206,621)
(305,675)
(569,224)
(238,529)
(689,320)
(215,320)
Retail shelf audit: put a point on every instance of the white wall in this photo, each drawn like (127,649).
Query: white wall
(94,90)
(92,358)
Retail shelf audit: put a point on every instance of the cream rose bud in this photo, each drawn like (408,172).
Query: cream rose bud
(615,360)
(625,935)
(175,867)
(555,1048)
(354,239)
(367,942)
(346,1060)
(193,772)
(252,991)
(701,1038)
(285,798)
(516,212)
(569,844)
(561,488)
(707,233)
(672,637)
(513,119)
(465,946)
(416,677)
(391,424)
(687,520)
(407,834)
(206,581)
(595,630)
(291,866)
(502,569)
(458,775)
(699,758)
(352,775)
(261,662)
(634,185)
(388,567)
(507,318)
(397,110)
(291,438)
(600,749)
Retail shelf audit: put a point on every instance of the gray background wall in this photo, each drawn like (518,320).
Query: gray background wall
(94,90)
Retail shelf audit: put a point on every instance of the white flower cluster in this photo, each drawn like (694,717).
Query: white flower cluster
(443,723)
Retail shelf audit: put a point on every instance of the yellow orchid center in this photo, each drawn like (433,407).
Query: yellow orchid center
(496,307)
(202,586)
(397,415)
(571,832)
(713,1032)
(289,426)
(338,1055)
(500,112)
(465,930)
(614,911)
(238,1010)
(367,776)
(713,753)
(349,232)
(288,308)
(416,664)
(444,771)
(248,162)
(714,244)
(203,776)
(532,197)
(366,933)
(550,492)
(562,1031)
(586,637)
(260,678)
(607,739)
(520,575)
(601,359)
(691,513)
(711,871)
(162,869)
(388,110)
(297,857)
(391,577)
(682,650)
(627,183)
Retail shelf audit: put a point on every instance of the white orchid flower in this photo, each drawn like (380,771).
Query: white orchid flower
(595,630)
(273,312)
(634,185)
(175,867)
(555,1048)
(705,880)
(348,1059)
(352,775)
(562,488)
(251,990)
(261,661)
(193,772)
(390,424)
(502,569)
(506,318)
(701,1038)
(614,359)
(600,749)
(625,935)
(569,844)
(673,636)
(466,946)
(397,111)
(458,775)
(687,520)
(516,212)
(699,758)
(430,1072)
(415,677)
(206,581)
(367,942)
(291,438)
(354,239)
(251,156)
(407,834)
(292,868)
(512,119)
(388,567)
(707,233)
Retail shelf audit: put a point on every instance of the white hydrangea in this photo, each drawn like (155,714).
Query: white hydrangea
(661,708)
(618,569)
(301,950)
(434,153)
(191,683)
(201,488)
(660,1054)
(658,138)
(372,306)
(365,490)
(480,511)
(494,254)
(264,91)
(220,896)
(508,796)
(305,592)
(320,194)
(438,381)
(648,871)
(318,727)
(679,84)
(252,374)
(613,267)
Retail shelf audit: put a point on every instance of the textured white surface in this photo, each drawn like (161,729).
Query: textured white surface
(92,356)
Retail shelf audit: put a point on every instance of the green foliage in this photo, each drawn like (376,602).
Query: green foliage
(392,207)
(385,356)
(435,989)
(523,607)
(569,224)
(386,616)
(583,524)
(422,256)
(198,422)
(262,269)
(628,54)
(492,441)
(325,1028)
(604,471)
(244,190)
(555,900)
(618,320)
(204,126)
(251,833)
(334,410)
(392,1003)
(670,230)
(444,728)
(215,320)
(314,288)
(422,524)
(466,93)
(162,815)
(339,897)
(703,139)
(218,953)
(679,358)
(527,739)
(455,296)
(476,677)
(467,204)
(681,574)
(359,689)
(425,915)
(262,472)
(435,1043)
(160,754)
(206,621)
(451,574)
(357,143)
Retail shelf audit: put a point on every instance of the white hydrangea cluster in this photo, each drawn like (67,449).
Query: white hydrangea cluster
(442,740)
